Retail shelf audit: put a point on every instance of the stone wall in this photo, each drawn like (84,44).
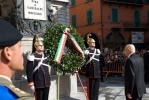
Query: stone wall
(60,12)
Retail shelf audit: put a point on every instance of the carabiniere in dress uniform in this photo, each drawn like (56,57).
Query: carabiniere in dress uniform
(92,66)
(38,71)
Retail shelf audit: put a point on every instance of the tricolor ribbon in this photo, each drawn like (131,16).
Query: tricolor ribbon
(76,45)
(62,42)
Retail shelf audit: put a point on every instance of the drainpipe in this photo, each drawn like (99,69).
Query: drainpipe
(101,27)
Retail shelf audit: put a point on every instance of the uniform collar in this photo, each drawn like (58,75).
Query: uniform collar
(92,48)
(39,53)
(5,77)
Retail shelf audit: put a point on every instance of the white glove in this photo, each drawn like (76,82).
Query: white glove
(32,88)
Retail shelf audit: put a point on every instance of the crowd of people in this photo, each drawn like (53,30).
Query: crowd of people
(114,56)
(115,60)
(118,56)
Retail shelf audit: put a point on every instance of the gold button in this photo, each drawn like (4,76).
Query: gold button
(11,86)
(17,89)
(22,92)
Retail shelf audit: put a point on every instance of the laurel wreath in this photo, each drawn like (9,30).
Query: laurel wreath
(71,59)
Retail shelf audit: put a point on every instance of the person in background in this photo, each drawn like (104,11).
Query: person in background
(144,50)
(134,74)
(11,60)
(146,65)
(38,71)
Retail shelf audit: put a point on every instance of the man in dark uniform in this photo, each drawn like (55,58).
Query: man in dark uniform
(92,69)
(38,71)
(11,60)
(146,65)
(134,74)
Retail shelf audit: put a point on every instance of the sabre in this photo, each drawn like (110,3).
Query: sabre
(82,86)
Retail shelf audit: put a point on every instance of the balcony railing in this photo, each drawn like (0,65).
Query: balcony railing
(135,25)
(132,2)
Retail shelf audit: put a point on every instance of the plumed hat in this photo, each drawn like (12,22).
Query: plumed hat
(89,40)
(36,43)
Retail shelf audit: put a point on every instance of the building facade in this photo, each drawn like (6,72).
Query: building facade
(112,23)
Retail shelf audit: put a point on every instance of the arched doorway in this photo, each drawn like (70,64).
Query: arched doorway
(115,40)
(95,38)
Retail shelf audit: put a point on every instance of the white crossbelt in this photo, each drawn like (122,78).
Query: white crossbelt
(91,57)
(93,53)
(40,63)
(96,59)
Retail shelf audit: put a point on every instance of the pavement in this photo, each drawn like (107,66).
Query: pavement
(111,89)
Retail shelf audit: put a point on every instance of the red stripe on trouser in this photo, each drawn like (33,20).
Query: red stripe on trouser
(88,89)
(35,96)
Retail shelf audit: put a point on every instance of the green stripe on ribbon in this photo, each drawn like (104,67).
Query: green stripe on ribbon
(76,45)
(61,45)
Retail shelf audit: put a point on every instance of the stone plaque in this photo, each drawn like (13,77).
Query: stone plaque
(35,9)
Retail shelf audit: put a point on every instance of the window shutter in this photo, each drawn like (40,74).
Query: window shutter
(74,20)
(88,0)
(148,17)
(89,17)
(114,15)
(72,2)
(137,18)
(0,11)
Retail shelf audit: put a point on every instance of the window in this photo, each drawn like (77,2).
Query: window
(147,16)
(89,17)
(74,20)
(114,15)
(88,0)
(0,11)
(137,18)
(73,2)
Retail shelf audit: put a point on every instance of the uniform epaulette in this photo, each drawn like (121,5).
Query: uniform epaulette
(86,52)
(31,57)
(98,51)
(21,94)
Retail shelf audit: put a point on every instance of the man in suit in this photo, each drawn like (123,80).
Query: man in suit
(92,69)
(38,71)
(11,60)
(134,74)
(146,65)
